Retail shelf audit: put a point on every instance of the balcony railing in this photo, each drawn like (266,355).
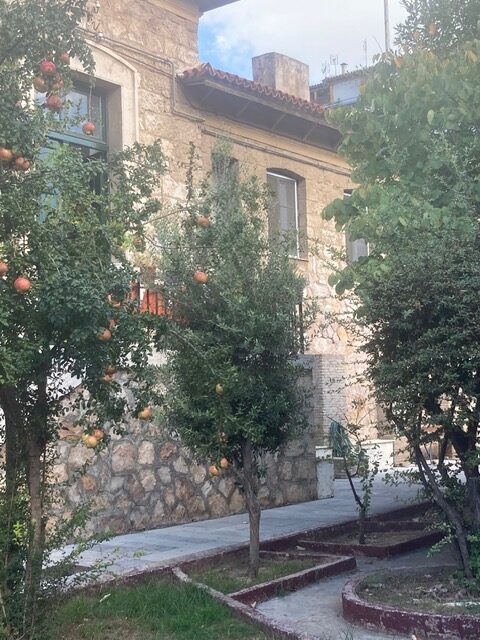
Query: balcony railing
(155,302)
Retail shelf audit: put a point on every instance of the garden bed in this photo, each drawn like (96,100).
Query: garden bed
(280,572)
(383,539)
(426,602)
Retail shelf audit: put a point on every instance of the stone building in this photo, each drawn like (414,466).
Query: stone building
(150,85)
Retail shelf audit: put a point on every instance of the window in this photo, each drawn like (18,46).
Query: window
(358,248)
(83,104)
(285,217)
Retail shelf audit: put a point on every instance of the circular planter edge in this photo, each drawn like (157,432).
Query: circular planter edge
(433,626)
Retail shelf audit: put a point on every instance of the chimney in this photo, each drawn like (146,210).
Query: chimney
(344,66)
(282,73)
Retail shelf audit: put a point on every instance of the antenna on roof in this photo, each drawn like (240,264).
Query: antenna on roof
(334,61)
(365,51)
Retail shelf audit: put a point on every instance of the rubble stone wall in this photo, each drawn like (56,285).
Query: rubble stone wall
(147,479)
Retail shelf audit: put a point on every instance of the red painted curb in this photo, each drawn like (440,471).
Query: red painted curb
(294,581)
(417,541)
(400,514)
(245,612)
(431,626)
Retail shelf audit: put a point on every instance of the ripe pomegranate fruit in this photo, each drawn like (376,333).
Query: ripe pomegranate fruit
(6,155)
(203,221)
(145,414)
(40,84)
(88,128)
(104,335)
(47,67)
(201,277)
(54,102)
(22,284)
(89,441)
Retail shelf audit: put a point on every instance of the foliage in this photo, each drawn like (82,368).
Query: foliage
(234,376)
(65,240)
(413,143)
(339,441)
(438,24)
(156,609)
(347,444)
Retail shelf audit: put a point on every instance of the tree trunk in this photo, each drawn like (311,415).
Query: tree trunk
(12,415)
(473,496)
(35,477)
(361,525)
(13,469)
(430,483)
(33,570)
(250,485)
(362,510)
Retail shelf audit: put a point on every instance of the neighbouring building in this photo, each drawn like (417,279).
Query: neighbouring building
(339,90)
(150,85)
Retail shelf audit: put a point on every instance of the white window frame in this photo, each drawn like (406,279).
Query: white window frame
(297,222)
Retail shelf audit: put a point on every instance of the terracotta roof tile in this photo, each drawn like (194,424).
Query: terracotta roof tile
(207,71)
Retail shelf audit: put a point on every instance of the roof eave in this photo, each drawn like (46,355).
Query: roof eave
(208,5)
(209,94)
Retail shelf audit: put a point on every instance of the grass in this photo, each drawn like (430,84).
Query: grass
(232,575)
(156,610)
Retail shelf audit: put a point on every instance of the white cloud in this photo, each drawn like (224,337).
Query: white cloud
(309,30)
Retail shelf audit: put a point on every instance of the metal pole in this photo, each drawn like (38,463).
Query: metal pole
(387,25)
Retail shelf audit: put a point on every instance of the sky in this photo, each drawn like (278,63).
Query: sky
(313,31)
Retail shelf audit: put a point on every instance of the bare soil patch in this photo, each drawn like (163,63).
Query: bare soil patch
(426,592)
(231,574)
(377,538)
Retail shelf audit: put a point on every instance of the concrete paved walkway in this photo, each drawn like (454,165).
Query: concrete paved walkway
(314,610)
(317,610)
(154,548)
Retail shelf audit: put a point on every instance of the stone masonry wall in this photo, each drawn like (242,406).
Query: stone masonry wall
(147,479)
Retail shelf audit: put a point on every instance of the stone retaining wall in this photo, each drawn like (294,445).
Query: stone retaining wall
(145,480)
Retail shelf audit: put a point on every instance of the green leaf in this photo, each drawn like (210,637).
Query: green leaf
(430,116)
(333,279)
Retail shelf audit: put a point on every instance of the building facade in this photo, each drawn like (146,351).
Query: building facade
(151,85)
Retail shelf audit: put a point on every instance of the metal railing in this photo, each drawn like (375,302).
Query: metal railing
(156,302)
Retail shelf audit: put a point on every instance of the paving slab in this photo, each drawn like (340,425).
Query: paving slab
(149,549)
